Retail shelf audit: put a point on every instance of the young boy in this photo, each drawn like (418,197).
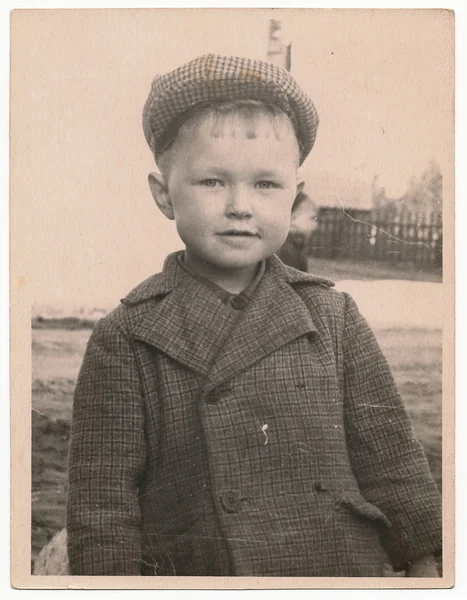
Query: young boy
(234,416)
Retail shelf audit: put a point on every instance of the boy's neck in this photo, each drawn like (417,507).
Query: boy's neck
(233,281)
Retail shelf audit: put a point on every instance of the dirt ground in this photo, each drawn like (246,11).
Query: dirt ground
(370,270)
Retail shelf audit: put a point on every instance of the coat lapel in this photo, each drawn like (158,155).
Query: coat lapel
(189,323)
(276,316)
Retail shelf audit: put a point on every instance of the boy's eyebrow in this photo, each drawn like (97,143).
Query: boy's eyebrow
(268,173)
(211,170)
(262,173)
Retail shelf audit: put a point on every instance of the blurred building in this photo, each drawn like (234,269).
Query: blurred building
(279,52)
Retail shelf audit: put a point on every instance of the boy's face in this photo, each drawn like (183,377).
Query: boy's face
(230,186)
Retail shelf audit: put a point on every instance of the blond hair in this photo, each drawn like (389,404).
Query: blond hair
(249,111)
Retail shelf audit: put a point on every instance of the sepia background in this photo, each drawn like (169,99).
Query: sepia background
(382,82)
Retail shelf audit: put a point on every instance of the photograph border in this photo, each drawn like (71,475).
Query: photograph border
(21,447)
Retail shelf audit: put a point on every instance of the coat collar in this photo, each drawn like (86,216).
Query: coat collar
(171,277)
(190,324)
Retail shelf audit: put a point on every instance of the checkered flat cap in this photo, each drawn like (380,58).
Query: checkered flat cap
(212,78)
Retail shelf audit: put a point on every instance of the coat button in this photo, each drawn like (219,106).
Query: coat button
(239,302)
(230,501)
(215,395)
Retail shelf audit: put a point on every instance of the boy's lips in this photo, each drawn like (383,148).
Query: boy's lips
(238,233)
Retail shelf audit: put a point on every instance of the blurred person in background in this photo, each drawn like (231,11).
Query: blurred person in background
(294,251)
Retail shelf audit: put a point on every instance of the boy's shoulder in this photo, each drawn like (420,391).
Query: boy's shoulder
(159,284)
(136,303)
(295,276)
(318,293)
(153,286)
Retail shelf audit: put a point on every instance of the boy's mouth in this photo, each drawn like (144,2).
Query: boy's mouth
(239,233)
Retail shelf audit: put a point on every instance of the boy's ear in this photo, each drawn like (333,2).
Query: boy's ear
(161,195)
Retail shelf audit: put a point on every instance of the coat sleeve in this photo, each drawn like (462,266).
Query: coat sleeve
(106,459)
(389,463)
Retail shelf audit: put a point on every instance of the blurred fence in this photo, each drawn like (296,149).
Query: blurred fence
(397,237)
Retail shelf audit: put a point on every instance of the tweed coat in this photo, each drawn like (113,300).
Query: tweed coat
(277,448)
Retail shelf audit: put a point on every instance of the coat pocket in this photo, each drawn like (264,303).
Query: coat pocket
(361,532)
(356,504)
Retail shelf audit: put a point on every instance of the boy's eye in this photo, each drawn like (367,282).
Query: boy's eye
(266,185)
(211,182)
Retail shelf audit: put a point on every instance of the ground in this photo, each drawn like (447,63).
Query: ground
(341,269)
(413,351)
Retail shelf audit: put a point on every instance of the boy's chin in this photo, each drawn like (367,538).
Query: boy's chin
(224,263)
(235,265)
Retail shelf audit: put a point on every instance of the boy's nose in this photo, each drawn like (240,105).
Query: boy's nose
(239,203)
